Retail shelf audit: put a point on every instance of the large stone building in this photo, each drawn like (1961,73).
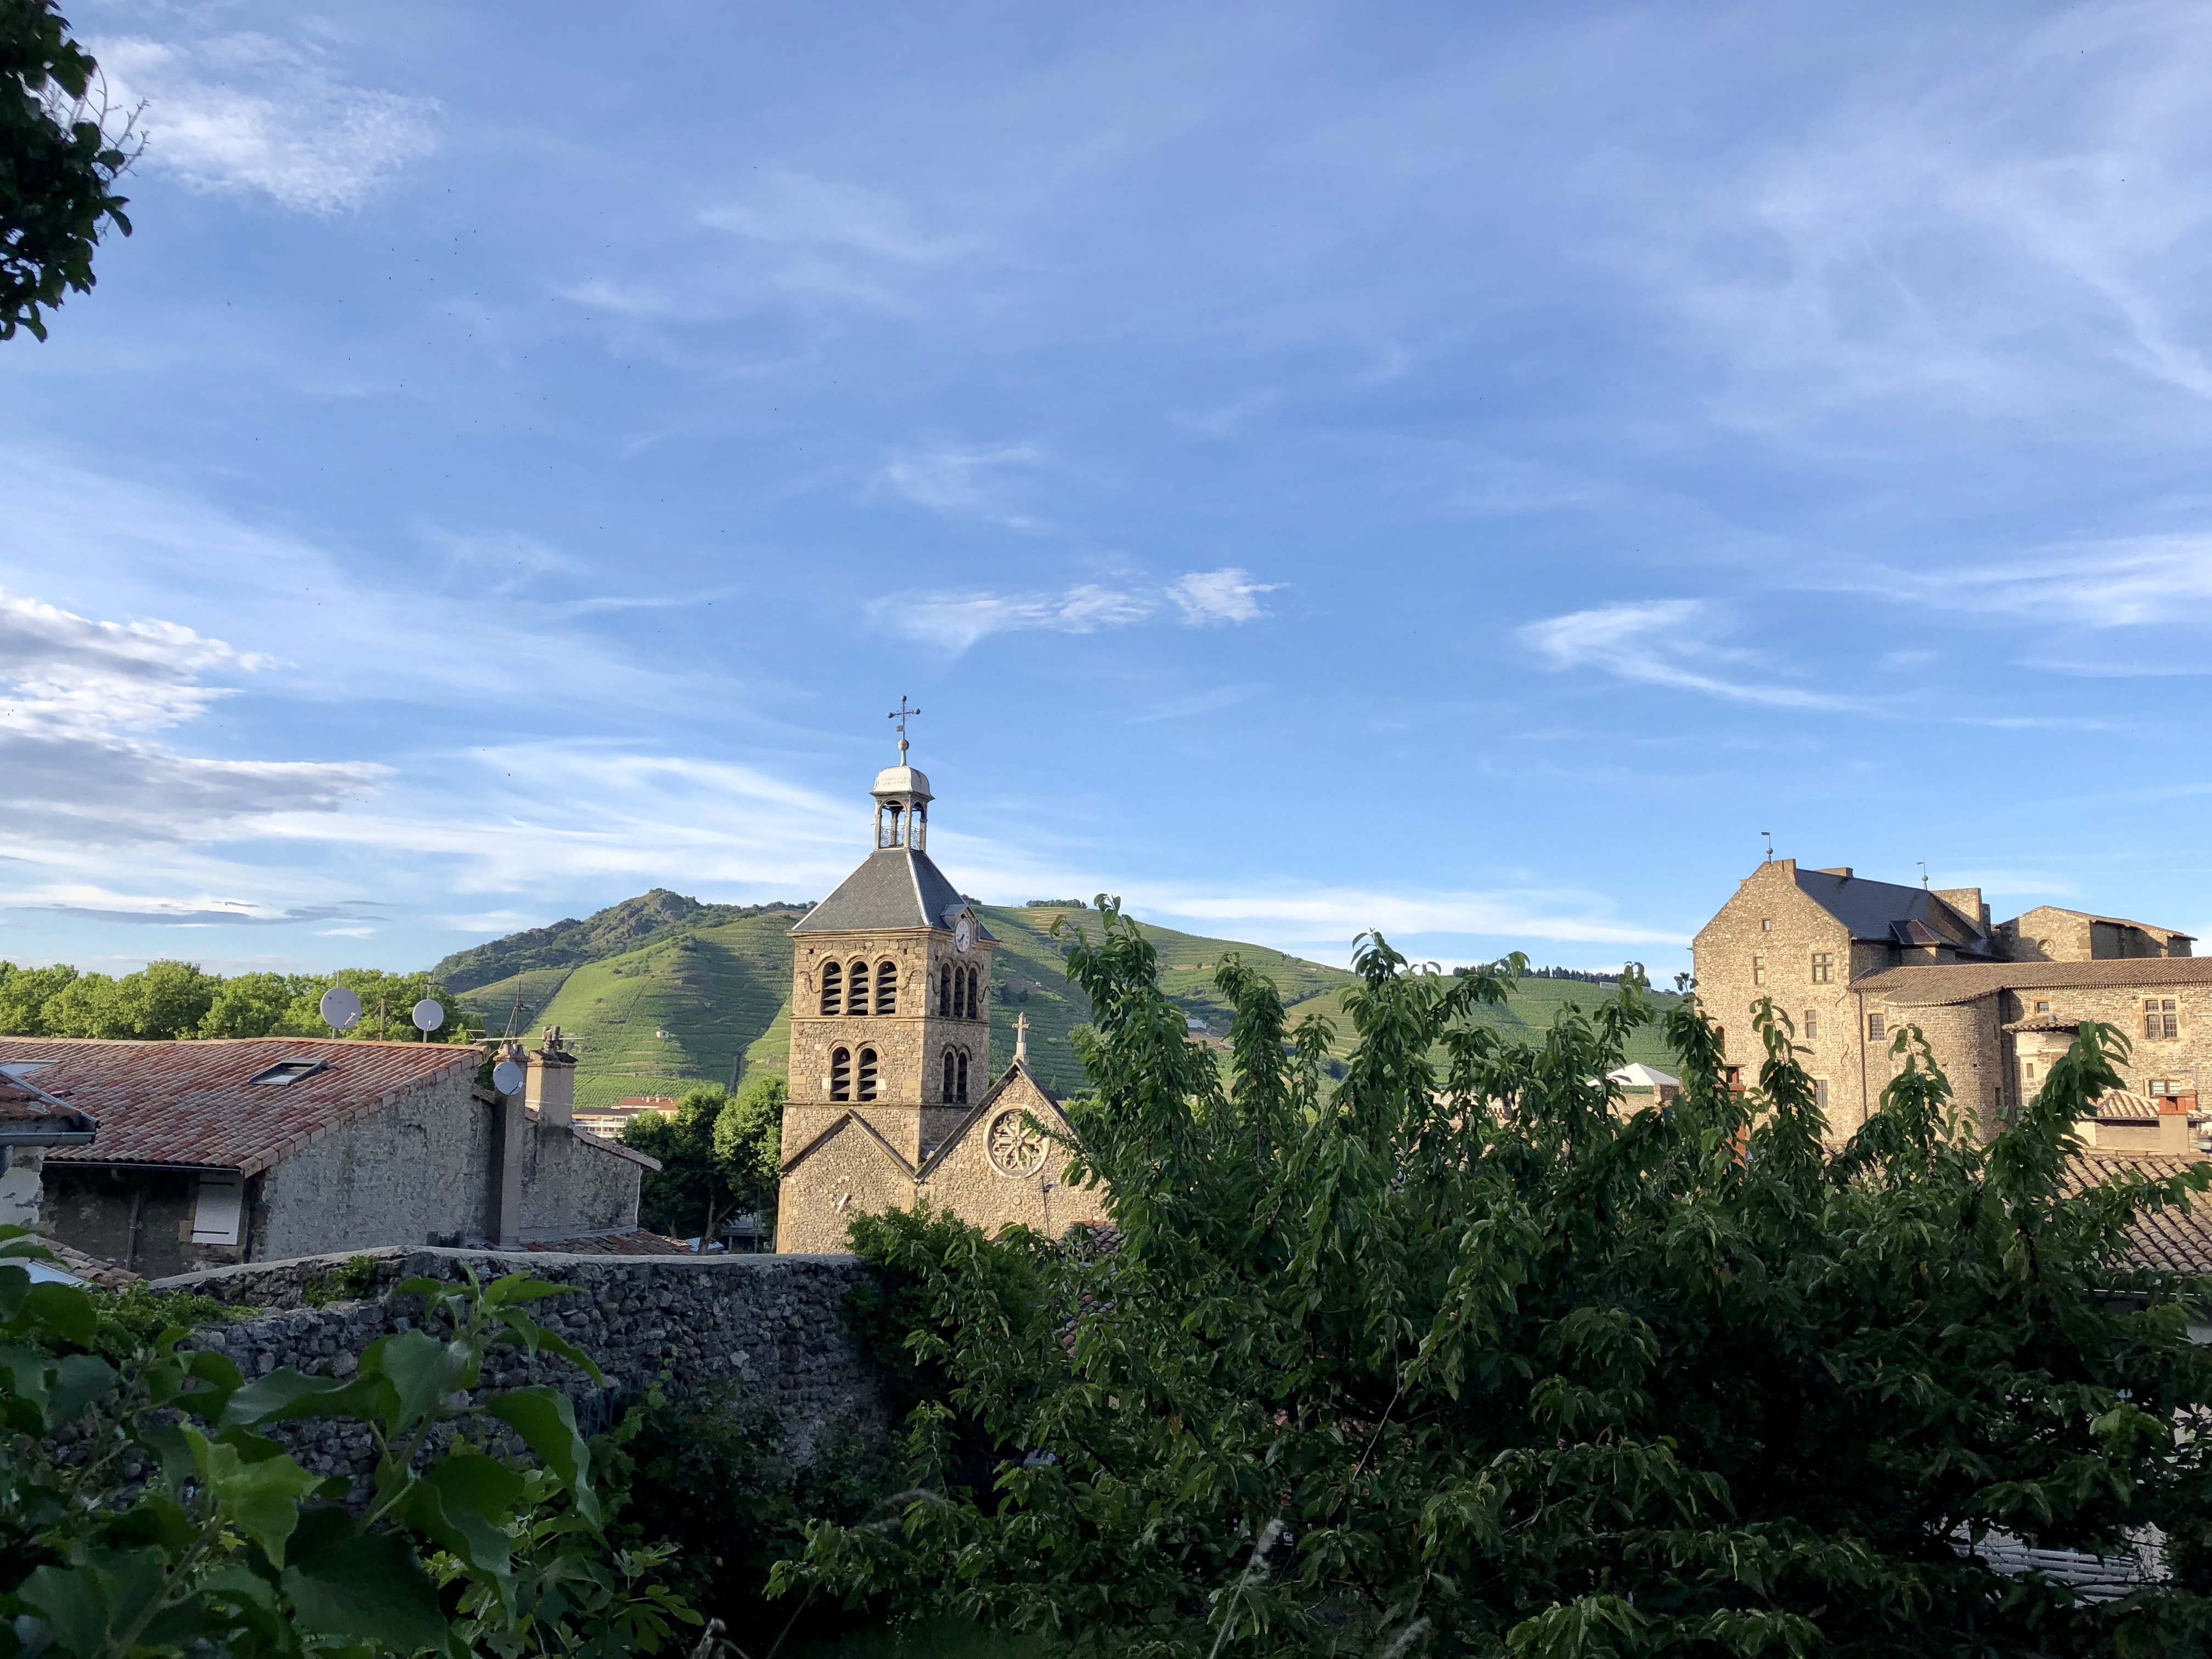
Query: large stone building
(892,1098)
(1851,961)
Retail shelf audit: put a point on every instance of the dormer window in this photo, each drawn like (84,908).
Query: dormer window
(288,1071)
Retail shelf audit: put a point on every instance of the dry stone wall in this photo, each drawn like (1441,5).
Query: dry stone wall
(775,1324)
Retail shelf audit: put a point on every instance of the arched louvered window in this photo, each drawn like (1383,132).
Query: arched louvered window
(962,1078)
(944,990)
(959,992)
(856,995)
(868,1091)
(951,1090)
(841,1074)
(887,987)
(833,988)
(975,994)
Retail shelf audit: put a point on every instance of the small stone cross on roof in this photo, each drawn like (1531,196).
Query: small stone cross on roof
(1021,1036)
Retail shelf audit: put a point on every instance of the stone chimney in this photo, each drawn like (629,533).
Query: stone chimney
(1967,901)
(551,1089)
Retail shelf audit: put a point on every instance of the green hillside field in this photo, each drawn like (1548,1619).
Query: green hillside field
(708,999)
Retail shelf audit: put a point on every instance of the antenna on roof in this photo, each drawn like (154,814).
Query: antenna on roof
(1769,834)
(901,714)
(340,1008)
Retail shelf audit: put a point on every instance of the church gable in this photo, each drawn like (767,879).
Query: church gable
(847,1170)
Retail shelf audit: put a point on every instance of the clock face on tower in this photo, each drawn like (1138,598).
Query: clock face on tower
(964,934)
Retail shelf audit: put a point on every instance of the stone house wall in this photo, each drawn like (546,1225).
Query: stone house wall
(775,1324)
(572,1185)
(416,1170)
(1769,917)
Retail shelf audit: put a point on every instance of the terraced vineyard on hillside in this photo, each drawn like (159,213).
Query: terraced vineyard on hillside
(704,997)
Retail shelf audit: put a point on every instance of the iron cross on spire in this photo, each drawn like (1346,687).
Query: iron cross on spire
(901,714)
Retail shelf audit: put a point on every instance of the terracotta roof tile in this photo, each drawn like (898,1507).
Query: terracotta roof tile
(193,1105)
(637,1242)
(1947,982)
(2177,1240)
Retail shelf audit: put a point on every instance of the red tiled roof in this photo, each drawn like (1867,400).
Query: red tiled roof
(638,1242)
(192,1104)
(1948,982)
(2177,1240)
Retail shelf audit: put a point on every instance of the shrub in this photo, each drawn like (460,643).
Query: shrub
(1458,1358)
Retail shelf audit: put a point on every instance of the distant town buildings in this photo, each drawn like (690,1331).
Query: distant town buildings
(893,1101)
(1851,961)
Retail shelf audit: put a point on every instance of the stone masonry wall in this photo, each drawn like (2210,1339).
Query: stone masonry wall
(775,1323)
(1770,919)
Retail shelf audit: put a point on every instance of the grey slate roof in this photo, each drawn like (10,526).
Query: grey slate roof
(1940,983)
(1886,910)
(897,887)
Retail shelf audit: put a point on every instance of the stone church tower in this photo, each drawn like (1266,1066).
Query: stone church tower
(892,1098)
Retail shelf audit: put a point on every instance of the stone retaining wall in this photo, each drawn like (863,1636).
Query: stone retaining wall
(775,1323)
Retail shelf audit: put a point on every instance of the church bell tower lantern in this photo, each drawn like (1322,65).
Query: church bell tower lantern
(903,798)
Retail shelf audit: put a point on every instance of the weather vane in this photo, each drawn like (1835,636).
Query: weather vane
(901,714)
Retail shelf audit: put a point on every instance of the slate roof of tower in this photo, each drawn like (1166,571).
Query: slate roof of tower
(1878,909)
(194,1105)
(897,887)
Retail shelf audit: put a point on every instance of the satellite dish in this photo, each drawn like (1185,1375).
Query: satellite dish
(507,1077)
(339,1008)
(429,1016)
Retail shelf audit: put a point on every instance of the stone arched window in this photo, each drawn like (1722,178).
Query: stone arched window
(887,987)
(841,1074)
(833,988)
(974,994)
(963,1077)
(867,1090)
(856,994)
(951,1090)
(944,991)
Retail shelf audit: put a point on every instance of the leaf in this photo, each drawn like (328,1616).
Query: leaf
(521,1287)
(283,1395)
(79,1380)
(91,1604)
(548,1426)
(62,1312)
(261,1497)
(422,1372)
(535,1336)
(463,1504)
(365,1586)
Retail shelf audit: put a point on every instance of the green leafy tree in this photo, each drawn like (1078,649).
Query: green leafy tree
(1457,1358)
(62,151)
(704,1176)
(24,992)
(387,1003)
(86,1006)
(249,1006)
(161,1000)
(145,1511)
(749,1141)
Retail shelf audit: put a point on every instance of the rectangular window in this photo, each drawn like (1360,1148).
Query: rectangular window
(2159,1017)
(1824,968)
(1759,970)
(1766,926)
(1877,1029)
(1812,1024)
(1821,1094)
(2042,1007)
(2160,1086)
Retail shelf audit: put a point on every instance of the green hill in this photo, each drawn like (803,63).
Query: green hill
(661,993)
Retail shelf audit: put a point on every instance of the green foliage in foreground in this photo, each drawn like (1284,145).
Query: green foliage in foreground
(1456,1359)
(165,1001)
(61,155)
(145,1511)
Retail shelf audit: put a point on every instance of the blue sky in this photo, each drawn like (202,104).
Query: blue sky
(1461,470)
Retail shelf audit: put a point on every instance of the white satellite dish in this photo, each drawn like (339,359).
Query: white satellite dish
(429,1016)
(507,1077)
(339,1008)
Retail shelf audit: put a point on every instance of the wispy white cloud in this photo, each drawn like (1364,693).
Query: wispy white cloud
(246,113)
(1340,913)
(958,620)
(1996,239)
(2126,582)
(1670,642)
(791,209)
(963,481)
(77,697)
